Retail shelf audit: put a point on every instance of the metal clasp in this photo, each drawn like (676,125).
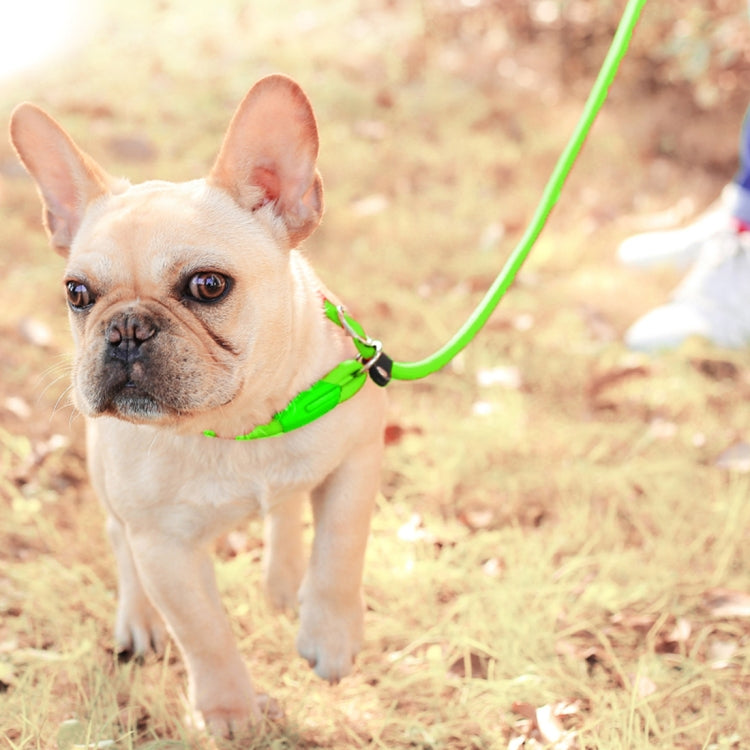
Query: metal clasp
(382,373)
(357,335)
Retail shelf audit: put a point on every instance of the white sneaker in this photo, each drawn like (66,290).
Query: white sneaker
(711,302)
(679,247)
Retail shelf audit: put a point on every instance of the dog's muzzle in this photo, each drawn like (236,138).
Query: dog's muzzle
(128,380)
(126,334)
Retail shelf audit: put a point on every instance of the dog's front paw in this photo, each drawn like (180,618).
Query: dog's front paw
(330,637)
(223,697)
(230,724)
(233,723)
(139,628)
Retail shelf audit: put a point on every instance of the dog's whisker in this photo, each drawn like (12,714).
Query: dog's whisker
(59,405)
(74,415)
(52,375)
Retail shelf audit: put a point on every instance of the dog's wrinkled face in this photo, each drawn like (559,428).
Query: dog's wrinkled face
(180,295)
(165,301)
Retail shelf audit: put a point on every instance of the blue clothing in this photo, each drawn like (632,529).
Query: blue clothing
(742,178)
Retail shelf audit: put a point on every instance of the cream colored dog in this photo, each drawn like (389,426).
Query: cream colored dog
(191,309)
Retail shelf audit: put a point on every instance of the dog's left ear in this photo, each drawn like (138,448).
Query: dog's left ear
(67,178)
(269,153)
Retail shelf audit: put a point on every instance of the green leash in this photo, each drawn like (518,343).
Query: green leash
(347,378)
(424,367)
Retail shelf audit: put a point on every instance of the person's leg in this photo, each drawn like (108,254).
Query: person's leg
(741,204)
(711,302)
(681,247)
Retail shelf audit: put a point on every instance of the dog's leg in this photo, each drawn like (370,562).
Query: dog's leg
(283,555)
(178,577)
(331,606)
(138,627)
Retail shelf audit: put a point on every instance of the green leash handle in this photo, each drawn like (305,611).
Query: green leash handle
(438,360)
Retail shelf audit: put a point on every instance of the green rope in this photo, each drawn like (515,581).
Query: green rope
(424,367)
(348,377)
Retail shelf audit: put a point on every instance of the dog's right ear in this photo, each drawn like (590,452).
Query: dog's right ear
(68,180)
(269,153)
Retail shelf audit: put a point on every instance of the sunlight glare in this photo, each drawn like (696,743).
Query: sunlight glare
(31,31)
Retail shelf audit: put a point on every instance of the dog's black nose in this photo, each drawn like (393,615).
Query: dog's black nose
(126,333)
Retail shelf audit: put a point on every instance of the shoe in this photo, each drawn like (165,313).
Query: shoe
(679,247)
(711,302)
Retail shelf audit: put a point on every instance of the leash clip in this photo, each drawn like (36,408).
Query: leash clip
(377,364)
(359,336)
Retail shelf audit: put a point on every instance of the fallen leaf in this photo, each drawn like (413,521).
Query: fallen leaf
(637,621)
(524,709)
(503,376)
(475,666)
(678,635)
(494,567)
(735,458)
(477,518)
(728,603)
(716,369)
(414,531)
(599,383)
(644,685)
(393,434)
(681,631)
(720,652)
(565,708)
(542,726)
(548,724)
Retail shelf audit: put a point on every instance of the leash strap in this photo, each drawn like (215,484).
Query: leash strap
(597,97)
(550,196)
(345,380)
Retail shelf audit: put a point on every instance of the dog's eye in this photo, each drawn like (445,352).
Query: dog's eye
(79,295)
(207,286)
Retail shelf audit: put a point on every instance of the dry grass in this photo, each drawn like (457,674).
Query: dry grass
(563,544)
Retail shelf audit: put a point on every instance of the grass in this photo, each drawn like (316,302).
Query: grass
(559,544)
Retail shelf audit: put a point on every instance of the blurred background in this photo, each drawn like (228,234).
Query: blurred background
(546,458)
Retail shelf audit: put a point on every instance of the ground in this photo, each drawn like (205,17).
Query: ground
(560,553)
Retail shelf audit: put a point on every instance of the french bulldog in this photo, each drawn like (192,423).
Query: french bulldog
(191,308)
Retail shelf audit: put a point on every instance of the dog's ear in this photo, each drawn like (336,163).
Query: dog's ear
(68,179)
(269,153)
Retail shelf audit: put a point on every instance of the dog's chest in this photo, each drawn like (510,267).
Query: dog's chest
(200,482)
